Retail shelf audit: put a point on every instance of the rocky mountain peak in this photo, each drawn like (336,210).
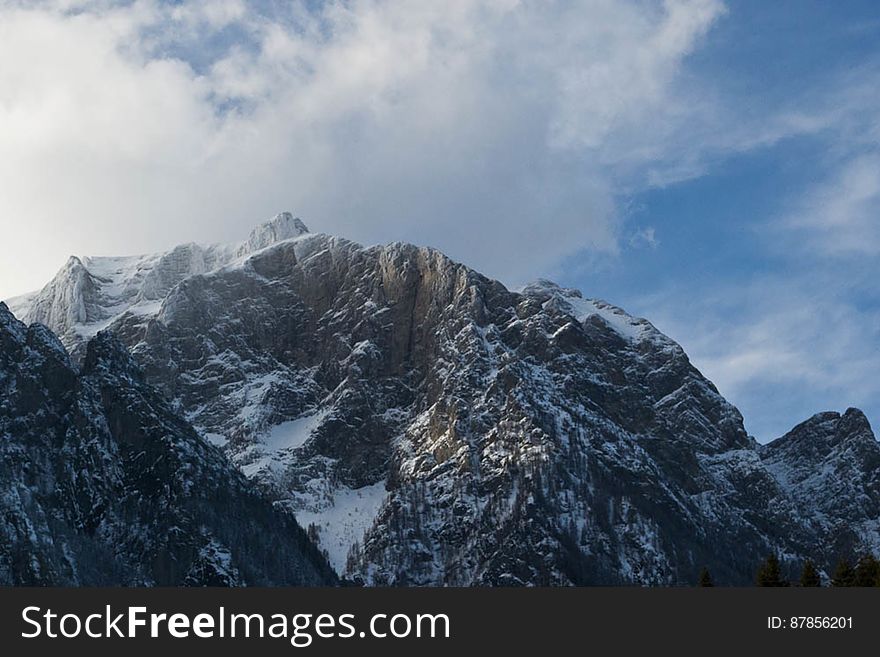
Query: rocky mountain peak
(544,290)
(71,298)
(854,421)
(830,465)
(41,340)
(89,294)
(10,328)
(823,433)
(282,226)
(37,341)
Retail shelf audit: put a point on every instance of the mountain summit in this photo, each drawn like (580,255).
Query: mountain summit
(281,227)
(89,294)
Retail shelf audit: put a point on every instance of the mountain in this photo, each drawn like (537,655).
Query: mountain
(89,294)
(432,427)
(830,465)
(103,484)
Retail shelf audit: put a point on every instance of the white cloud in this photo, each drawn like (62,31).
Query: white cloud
(215,14)
(499,130)
(841,215)
(645,237)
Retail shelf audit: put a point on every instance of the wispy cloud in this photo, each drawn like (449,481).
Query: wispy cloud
(840,216)
(644,237)
(127,125)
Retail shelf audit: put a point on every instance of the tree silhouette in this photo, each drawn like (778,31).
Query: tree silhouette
(867,571)
(705,577)
(809,575)
(770,573)
(844,574)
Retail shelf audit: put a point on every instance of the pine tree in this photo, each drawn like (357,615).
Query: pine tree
(770,573)
(705,577)
(809,575)
(867,571)
(844,575)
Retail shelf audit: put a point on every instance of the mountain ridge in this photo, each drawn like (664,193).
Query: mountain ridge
(434,427)
(90,293)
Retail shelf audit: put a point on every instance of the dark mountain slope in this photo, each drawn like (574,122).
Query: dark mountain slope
(103,485)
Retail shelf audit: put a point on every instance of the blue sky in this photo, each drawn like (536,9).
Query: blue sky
(712,166)
(727,275)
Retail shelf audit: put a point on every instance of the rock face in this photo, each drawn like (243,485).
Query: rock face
(830,465)
(102,484)
(434,428)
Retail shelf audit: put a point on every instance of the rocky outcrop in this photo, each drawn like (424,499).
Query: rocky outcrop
(830,465)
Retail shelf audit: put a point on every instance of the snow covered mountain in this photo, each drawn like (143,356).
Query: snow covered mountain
(432,427)
(89,294)
(102,484)
(830,465)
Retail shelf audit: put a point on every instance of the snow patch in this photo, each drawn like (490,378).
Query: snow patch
(625,325)
(346,518)
(269,455)
(295,433)
(217,439)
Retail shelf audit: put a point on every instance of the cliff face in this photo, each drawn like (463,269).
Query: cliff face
(437,428)
(104,485)
(830,465)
